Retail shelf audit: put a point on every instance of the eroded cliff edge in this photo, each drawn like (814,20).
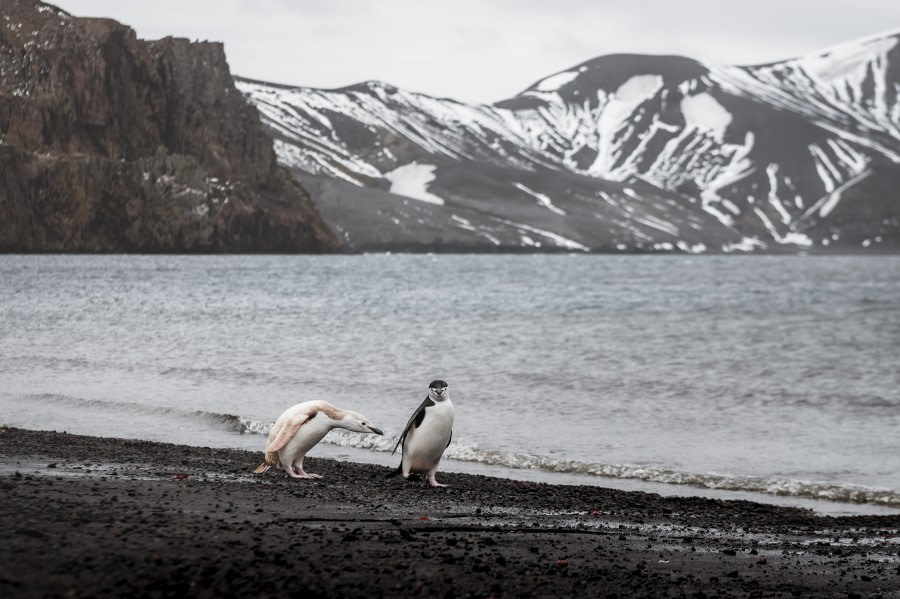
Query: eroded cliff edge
(109,143)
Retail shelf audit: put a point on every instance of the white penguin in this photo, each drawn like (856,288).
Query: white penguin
(301,427)
(427,434)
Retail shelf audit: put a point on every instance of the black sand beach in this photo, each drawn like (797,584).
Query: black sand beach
(84,516)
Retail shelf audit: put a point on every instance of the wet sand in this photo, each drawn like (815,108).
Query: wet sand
(86,516)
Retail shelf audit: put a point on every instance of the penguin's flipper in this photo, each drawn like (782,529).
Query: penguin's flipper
(261,468)
(287,426)
(416,419)
(396,472)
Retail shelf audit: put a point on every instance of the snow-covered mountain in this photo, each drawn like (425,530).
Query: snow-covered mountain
(623,152)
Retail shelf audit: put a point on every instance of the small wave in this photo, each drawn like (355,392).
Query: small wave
(465,452)
(783,487)
(772,486)
(232,422)
(226,422)
(250,426)
(345,438)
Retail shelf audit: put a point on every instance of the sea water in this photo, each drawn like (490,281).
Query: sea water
(761,377)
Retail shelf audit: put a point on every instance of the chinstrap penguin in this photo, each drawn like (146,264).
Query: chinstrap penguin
(427,434)
(300,427)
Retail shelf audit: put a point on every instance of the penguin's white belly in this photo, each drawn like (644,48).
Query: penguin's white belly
(424,446)
(305,439)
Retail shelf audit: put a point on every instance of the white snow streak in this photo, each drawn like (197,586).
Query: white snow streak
(738,167)
(467,225)
(557,239)
(747,244)
(774,200)
(829,202)
(828,172)
(788,238)
(411,180)
(665,227)
(541,198)
(852,160)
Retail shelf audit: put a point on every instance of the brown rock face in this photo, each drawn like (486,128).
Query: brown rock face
(109,143)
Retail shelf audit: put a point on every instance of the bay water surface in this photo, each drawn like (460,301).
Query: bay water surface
(773,378)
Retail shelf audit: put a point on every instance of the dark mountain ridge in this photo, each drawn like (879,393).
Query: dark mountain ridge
(624,152)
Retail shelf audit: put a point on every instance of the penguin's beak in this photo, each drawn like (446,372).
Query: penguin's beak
(375,430)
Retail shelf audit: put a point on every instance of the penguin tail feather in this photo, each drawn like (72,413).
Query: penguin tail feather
(396,472)
(271,460)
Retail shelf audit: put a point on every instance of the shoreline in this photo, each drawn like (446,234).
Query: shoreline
(90,516)
(341,452)
(817,251)
(820,505)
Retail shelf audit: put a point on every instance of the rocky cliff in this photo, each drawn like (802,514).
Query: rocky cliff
(109,143)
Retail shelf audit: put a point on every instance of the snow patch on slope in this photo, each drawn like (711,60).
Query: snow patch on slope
(554,82)
(411,180)
(617,112)
(703,112)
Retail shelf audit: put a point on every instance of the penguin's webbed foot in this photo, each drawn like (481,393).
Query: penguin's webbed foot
(300,473)
(433,482)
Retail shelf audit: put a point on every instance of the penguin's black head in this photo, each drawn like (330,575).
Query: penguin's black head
(438,387)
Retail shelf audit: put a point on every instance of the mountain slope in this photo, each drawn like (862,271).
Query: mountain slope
(622,152)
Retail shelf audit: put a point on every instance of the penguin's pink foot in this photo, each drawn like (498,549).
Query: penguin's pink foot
(300,473)
(433,482)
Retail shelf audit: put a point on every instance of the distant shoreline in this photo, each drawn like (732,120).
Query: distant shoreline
(104,516)
(441,251)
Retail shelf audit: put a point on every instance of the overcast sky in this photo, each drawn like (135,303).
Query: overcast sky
(487,50)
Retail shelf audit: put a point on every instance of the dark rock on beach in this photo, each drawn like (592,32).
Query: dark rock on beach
(85,516)
(109,143)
